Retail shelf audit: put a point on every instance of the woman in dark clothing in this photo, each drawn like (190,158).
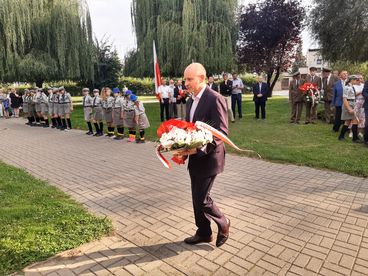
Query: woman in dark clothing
(16,102)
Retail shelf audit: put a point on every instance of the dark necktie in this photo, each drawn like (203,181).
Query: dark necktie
(84,101)
(94,102)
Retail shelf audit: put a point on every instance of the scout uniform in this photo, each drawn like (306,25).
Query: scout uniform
(140,117)
(349,94)
(296,98)
(37,100)
(50,100)
(311,110)
(65,105)
(32,108)
(117,112)
(45,109)
(97,112)
(129,115)
(57,107)
(107,110)
(25,106)
(87,109)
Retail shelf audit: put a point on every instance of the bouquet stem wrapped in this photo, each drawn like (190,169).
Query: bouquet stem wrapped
(183,138)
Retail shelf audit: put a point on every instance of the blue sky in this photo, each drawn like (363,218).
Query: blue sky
(111,18)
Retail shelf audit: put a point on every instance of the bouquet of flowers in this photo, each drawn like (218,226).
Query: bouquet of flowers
(184,138)
(311,93)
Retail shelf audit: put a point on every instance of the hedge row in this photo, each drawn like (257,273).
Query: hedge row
(139,86)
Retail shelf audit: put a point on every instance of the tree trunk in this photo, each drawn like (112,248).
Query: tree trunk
(271,85)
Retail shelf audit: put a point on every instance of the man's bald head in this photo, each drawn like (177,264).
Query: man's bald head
(195,77)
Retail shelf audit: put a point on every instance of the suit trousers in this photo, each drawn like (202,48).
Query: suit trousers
(338,121)
(328,112)
(260,105)
(204,207)
(296,111)
(236,100)
(181,110)
(366,125)
(310,113)
(229,110)
(165,109)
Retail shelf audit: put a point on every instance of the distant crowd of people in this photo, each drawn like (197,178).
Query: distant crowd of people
(116,109)
(345,100)
(173,96)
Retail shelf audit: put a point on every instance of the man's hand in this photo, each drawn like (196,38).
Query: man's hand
(259,95)
(351,111)
(183,154)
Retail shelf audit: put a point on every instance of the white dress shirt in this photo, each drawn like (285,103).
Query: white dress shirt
(237,82)
(196,100)
(164,91)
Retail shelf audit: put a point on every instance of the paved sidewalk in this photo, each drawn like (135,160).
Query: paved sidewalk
(286,220)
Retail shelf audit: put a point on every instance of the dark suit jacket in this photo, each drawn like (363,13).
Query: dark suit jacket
(225,89)
(212,110)
(176,94)
(365,95)
(263,91)
(214,87)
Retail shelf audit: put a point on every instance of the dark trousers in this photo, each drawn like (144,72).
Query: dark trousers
(260,104)
(236,99)
(366,126)
(338,122)
(204,207)
(165,108)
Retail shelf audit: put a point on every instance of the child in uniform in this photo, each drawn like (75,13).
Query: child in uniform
(129,116)
(117,113)
(37,104)
(97,112)
(25,106)
(31,107)
(87,109)
(107,105)
(45,109)
(140,119)
(57,107)
(65,108)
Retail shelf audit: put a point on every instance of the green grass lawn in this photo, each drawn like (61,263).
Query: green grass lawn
(278,140)
(37,221)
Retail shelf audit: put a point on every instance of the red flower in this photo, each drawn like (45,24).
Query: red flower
(308,86)
(165,127)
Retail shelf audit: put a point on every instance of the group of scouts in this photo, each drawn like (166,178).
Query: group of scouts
(57,105)
(117,109)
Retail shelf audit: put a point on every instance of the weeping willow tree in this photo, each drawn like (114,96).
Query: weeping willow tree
(45,40)
(184,31)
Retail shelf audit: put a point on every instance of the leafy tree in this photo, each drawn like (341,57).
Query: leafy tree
(341,27)
(108,67)
(184,30)
(300,60)
(269,34)
(45,40)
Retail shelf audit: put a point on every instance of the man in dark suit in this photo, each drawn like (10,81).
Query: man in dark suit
(205,163)
(365,95)
(327,84)
(338,90)
(212,84)
(225,90)
(260,91)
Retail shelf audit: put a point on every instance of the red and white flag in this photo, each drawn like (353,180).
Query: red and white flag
(156,68)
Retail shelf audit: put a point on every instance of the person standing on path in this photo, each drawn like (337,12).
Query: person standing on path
(206,163)
(365,95)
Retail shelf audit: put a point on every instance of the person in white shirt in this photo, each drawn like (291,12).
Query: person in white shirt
(173,108)
(164,92)
(236,95)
